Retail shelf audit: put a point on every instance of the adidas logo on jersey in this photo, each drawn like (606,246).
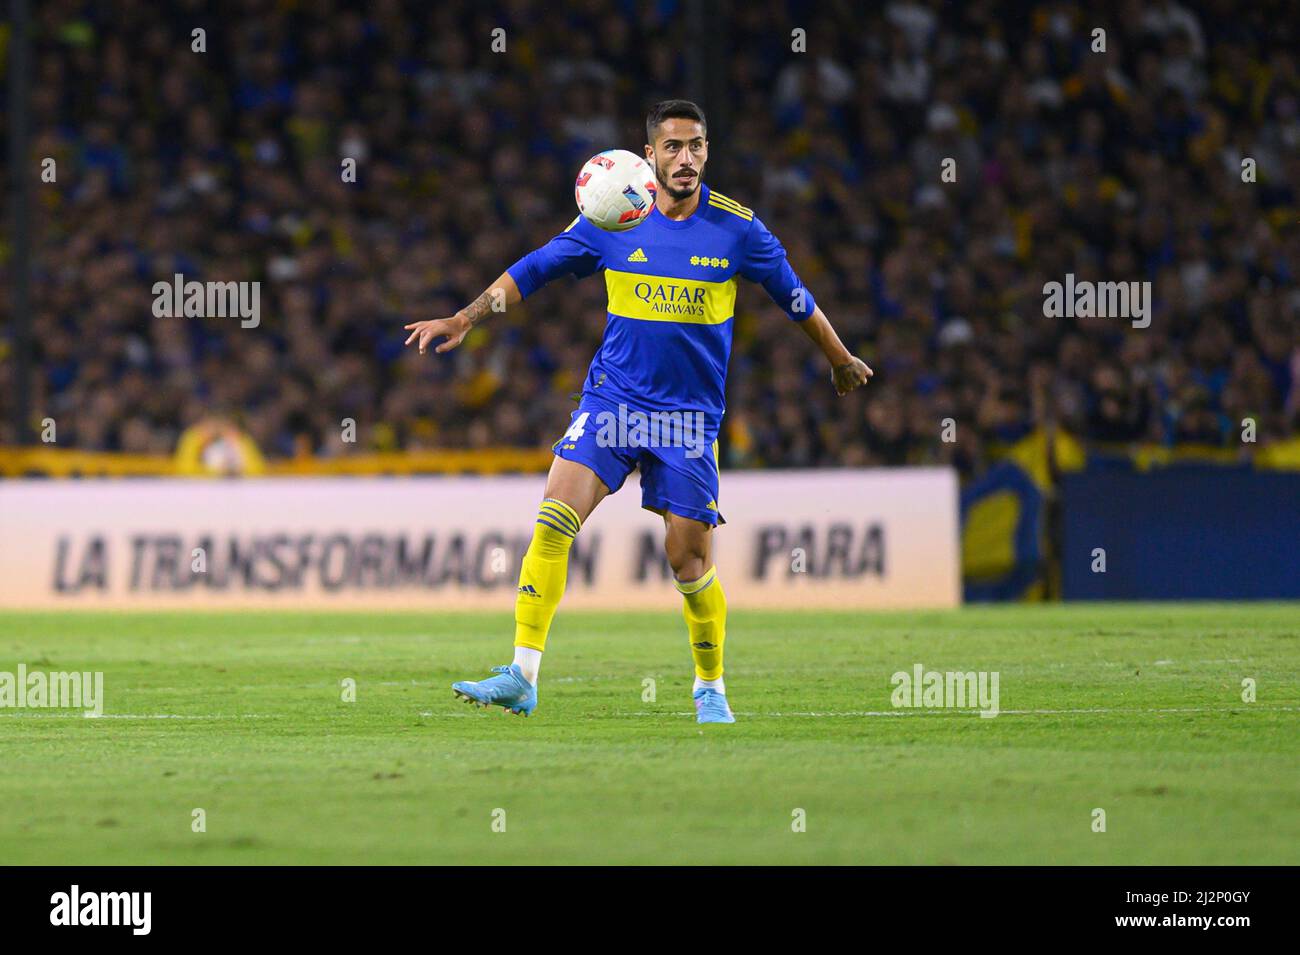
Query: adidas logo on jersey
(529,590)
(638,256)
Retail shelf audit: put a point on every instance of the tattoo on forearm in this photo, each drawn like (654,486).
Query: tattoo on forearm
(476,309)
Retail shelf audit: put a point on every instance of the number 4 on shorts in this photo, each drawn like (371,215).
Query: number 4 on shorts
(576,429)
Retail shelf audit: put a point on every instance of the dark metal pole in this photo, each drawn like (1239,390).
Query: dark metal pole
(706,74)
(20,183)
(697,51)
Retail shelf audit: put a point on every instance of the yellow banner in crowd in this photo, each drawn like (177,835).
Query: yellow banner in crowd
(56,462)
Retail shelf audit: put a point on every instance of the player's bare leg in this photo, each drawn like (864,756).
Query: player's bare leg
(572,492)
(689,544)
(576,485)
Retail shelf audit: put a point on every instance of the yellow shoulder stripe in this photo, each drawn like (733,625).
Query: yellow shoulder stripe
(747,216)
(727,200)
(572,224)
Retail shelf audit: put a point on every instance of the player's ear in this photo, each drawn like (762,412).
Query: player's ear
(649,151)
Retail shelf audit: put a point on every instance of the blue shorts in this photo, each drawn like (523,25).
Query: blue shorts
(677,455)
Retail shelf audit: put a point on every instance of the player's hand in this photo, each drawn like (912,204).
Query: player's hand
(454,328)
(850,375)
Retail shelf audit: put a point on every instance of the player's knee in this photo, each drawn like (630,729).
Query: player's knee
(689,559)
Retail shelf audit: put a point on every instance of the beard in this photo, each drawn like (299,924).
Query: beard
(675,189)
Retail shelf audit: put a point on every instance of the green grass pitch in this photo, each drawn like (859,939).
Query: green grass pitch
(1133,709)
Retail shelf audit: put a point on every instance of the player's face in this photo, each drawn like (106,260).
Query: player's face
(678,155)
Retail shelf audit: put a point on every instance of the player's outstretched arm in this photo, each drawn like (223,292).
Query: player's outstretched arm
(765,262)
(847,370)
(495,298)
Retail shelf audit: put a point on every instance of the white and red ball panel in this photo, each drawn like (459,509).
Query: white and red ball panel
(615,190)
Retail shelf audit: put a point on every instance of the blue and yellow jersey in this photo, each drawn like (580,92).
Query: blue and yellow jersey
(672,297)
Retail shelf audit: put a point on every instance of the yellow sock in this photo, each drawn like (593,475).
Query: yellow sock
(705,609)
(545,568)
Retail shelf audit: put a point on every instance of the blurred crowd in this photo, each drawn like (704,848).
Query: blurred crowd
(1122,165)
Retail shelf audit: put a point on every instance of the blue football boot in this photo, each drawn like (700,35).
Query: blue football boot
(508,689)
(711,707)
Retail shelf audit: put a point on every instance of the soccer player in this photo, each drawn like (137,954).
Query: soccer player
(672,288)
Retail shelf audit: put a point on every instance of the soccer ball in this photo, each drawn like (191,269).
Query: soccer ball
(615,190)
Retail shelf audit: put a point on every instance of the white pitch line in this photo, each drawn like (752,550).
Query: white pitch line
(939,711)
(140,716)
(935,711)
(229,687)
(1169,709)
